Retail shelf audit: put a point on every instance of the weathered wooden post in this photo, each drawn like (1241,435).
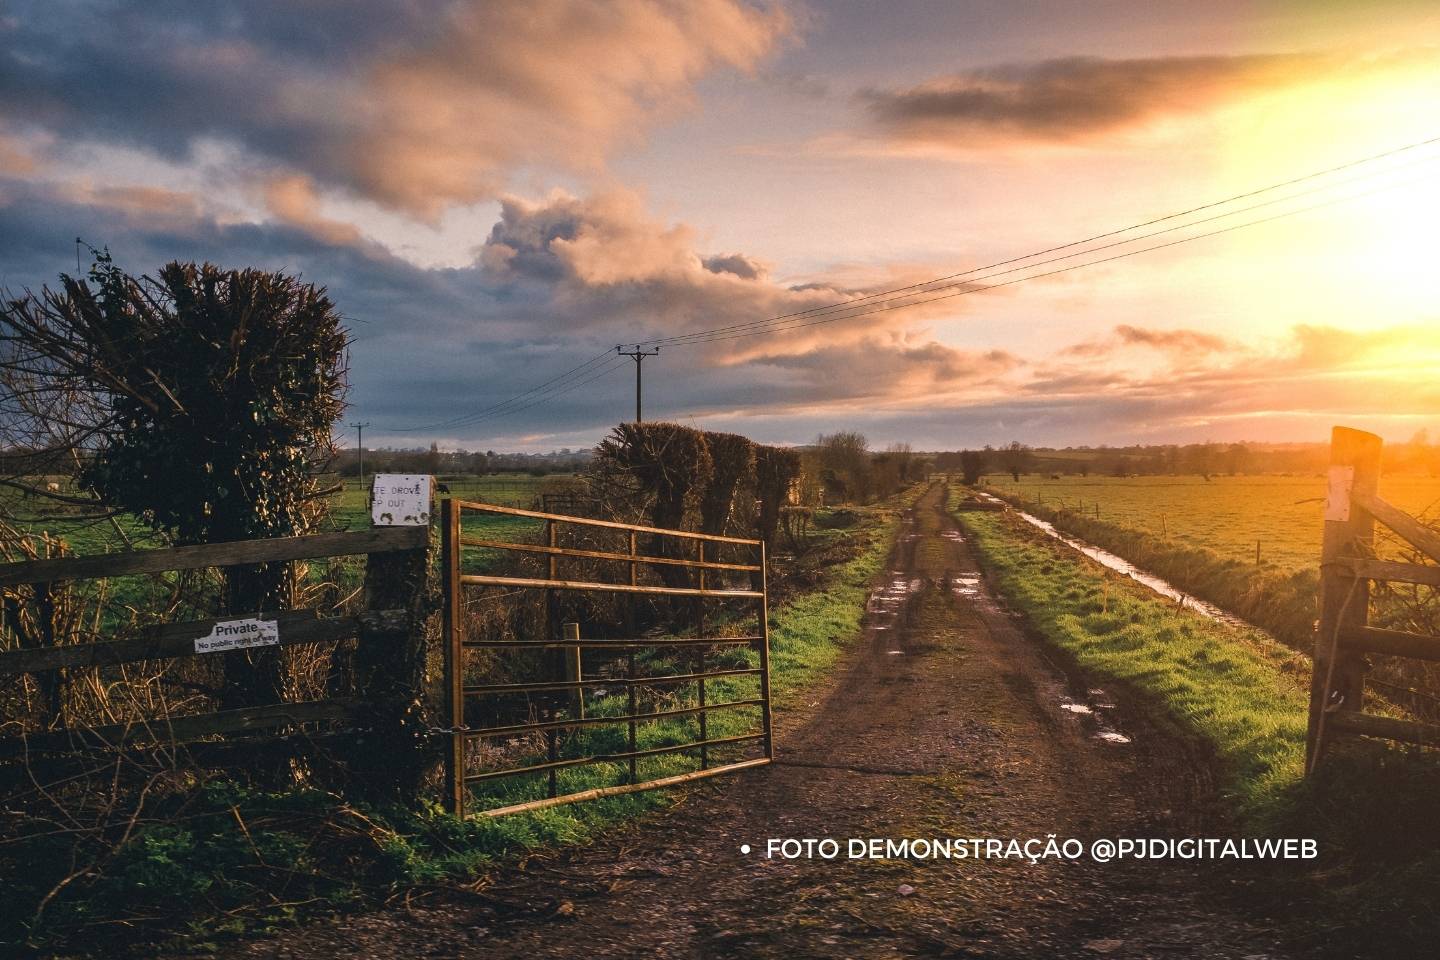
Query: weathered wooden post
(390,658)
(1337,681)
(453,652)
(574,671)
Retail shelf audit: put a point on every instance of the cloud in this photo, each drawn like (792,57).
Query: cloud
(564,278)
(293,200)
(1077,98)
(1294,387)
(15,158)
(737,264)
(556,281)
(1178,344)
(415,106)
(895,369)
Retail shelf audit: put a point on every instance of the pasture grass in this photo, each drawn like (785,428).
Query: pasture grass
(1280,601)
(1243,696)
(1226,516)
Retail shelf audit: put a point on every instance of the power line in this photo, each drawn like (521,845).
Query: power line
(972,287)
(475,413)
(763,326)
(848,309)
(977,285)
(559,391)
(603,371)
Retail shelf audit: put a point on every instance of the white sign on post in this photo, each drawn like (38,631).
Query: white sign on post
(400,500)
(1337,498)
(239,635)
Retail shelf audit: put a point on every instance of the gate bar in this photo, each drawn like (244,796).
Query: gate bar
(624,788)
(612,757)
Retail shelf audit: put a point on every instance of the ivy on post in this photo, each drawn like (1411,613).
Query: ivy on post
(394,754)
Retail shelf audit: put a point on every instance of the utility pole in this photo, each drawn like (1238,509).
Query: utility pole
(360,448)
(637,355)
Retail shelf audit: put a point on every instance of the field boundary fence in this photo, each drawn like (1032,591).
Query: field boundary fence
(1348,568)
(228,635)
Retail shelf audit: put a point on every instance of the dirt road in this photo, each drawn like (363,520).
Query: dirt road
(946,721)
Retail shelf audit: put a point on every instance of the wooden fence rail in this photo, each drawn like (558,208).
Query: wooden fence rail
(395,554)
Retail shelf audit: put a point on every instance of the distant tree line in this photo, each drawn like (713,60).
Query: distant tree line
(1206,460)
(433,460)
(840,468)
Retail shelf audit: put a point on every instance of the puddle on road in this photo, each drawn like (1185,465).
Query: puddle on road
(1122,566)
(965,586)
(1096,714)
(887,601)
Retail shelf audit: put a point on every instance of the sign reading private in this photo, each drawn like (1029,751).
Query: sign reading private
(239,635)
(400,500)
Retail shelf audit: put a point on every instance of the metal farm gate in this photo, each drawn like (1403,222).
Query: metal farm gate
(563,733)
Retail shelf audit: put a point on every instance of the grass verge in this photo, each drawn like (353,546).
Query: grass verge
(1243,695)
(1280,602)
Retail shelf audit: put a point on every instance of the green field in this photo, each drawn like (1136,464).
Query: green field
(1226,515)
(350,509)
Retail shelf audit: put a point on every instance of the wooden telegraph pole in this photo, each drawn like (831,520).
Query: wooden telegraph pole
(638,355)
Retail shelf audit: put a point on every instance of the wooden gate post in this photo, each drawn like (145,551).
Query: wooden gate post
(1337,679)
(453,653)
(391,672)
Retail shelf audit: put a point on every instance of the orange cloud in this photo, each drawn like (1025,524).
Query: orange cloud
(1179,344)
(293,200)
(1078,98)
(519,84)
(153,206)
(15,160)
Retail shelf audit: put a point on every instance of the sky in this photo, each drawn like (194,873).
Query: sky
(497,193)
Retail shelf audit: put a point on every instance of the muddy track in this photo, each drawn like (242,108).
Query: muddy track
(945,721)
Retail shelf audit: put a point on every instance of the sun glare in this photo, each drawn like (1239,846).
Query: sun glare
(1365,256)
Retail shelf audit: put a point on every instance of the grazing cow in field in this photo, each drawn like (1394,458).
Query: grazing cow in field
(444,488)
(1054,476)
(52,487)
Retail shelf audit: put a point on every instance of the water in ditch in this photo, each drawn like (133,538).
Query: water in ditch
(1122,566)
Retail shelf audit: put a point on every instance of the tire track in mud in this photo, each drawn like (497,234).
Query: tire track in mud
(944,720)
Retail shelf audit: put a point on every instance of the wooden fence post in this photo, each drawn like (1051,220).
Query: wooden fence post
(1338,676)
(453,653)
(391,673)
(574,672)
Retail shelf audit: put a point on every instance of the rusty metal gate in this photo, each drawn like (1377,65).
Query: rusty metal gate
(562,732)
